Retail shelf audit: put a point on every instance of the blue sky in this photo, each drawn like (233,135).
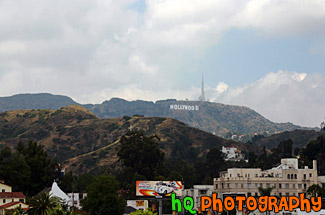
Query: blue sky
(265,54)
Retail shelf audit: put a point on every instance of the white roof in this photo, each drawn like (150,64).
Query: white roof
(56,191)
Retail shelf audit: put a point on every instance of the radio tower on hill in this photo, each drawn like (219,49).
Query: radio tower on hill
(202,96)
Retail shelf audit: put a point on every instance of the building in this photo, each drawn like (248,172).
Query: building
(10,200)
(286,179)
(232,154)
(196,192)
(75,199)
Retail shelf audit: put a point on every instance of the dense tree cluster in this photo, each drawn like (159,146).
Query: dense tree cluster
(28,168)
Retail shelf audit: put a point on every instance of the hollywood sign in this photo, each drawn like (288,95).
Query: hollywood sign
(184,107)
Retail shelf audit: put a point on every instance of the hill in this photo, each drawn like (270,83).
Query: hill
(219,119)
(222,120)
(300,138)
(34,101)
(76,137)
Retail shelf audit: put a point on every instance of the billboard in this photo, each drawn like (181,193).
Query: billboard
(158,188)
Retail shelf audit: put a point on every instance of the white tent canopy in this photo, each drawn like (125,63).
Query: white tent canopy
(56,191)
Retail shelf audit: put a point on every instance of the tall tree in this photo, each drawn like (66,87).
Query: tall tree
(141,153)
(43,170)
(102,197)
(14,170)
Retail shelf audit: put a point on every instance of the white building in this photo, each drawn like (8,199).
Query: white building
(232,154)
(75,199)
(196,192)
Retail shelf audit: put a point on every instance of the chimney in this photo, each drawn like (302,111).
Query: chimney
(315,164)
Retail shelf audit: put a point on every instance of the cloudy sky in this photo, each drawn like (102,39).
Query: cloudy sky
(268,55)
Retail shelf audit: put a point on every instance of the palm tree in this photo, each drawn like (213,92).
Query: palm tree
(43,204)
(266,191)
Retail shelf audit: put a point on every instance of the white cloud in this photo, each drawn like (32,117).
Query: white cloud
(94,50)
(221,87)
(282,97)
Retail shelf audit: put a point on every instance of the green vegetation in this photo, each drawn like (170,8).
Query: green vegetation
(28,168)
(142,212)
(102,197)
(43,204)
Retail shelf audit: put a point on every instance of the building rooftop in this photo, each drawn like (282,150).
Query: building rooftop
(12,195)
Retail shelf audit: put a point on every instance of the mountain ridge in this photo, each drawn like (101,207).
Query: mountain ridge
(216,118)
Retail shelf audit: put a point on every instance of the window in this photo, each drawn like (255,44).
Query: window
(236,185)
(230,175)
(287,186)
(256,175)
(304,176)
(295,176)
(288,176)
(4,201)
(242,185)
(203,192)
(299,186)
(255,185)
(261,185)
(287,194)
(305,186)
(267,185)
(291,176)
(249,194)
(280,185)
(216,186)
(310,175)
(228,185)
(3,190)
(238,175)
(293,186)
(21,200)
(249,185)
(249,175)
(222,185)
(280,194)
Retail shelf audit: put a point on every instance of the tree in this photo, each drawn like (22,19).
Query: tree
(315,190)
(102,197)
(322,126)
(14,170)
(141,153)
(284,149)
(43,204)
(265,191)
(42,168)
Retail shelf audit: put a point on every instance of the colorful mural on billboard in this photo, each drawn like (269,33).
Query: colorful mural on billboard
(159,188)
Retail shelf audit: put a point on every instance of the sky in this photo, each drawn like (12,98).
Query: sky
(268,55)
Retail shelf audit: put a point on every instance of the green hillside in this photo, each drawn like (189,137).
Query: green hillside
(76,137)
(300,138)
